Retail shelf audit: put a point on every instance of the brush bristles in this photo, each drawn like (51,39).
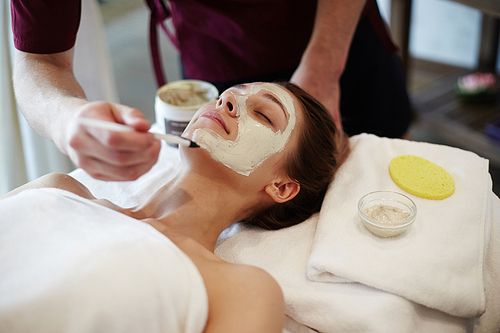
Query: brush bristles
(193,145)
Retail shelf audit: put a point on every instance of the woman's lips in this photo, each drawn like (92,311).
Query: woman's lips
(215,116)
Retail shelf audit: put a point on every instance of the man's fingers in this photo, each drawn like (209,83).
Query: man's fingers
(121,141)
(112,155)
(116,166)
(132,117)
(116,154)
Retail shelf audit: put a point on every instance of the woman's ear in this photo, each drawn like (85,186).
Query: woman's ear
(283,191)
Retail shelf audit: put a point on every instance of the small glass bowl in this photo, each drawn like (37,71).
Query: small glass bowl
(389,198)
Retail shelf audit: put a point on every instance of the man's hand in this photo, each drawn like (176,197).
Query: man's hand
(52,100)
(109,155)
(325,89)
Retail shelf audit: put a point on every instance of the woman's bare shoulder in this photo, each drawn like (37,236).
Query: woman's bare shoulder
(54,180)
(244,299)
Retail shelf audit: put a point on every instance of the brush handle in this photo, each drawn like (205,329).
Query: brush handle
(173,139)
(97,123)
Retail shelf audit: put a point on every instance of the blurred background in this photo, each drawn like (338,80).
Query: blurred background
(440,40)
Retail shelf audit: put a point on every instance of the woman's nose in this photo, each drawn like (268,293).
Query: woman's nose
(227,102)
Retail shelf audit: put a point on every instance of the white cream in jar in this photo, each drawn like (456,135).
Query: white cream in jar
(191,95)
(386,214)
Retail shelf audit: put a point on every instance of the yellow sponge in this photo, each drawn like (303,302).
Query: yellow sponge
(420,177)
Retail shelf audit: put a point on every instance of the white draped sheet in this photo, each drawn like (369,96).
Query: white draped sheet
(70,265)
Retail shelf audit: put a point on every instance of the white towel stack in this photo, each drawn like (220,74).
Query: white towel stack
(438,262)
(327,307)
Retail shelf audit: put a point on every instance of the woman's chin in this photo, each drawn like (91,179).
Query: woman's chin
(201,162)
(199,158)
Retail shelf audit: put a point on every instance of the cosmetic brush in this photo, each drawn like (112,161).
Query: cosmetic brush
(97,123)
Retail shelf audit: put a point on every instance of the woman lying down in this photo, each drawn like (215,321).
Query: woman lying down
(71,262)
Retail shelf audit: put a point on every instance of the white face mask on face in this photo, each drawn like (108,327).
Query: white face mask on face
(255,142)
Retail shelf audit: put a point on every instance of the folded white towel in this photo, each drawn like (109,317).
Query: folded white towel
(438,262)
(326,307)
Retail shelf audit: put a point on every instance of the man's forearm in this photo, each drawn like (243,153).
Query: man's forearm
(325,57)
(47,92)
(53,102)
(335,24)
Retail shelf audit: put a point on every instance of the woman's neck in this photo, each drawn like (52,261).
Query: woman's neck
(195,206)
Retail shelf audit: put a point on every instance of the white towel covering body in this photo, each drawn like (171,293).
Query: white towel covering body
(70,265)
(132,193)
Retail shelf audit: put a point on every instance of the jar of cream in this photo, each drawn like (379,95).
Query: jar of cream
(177,102)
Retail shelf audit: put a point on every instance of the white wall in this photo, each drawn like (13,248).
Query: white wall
(442,31)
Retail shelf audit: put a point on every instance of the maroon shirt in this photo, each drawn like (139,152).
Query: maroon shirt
(230,40)
(45,26)
(218,40)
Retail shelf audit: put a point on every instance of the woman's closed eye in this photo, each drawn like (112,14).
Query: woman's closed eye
(263,116)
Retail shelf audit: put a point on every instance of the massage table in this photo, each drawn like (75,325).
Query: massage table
(441,275)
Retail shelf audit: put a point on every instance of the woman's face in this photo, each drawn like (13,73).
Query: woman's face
(248,125)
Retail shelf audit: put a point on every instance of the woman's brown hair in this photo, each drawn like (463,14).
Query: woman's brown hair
(321,149)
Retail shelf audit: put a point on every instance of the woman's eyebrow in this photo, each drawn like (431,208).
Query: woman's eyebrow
(277,101)
(240,86)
